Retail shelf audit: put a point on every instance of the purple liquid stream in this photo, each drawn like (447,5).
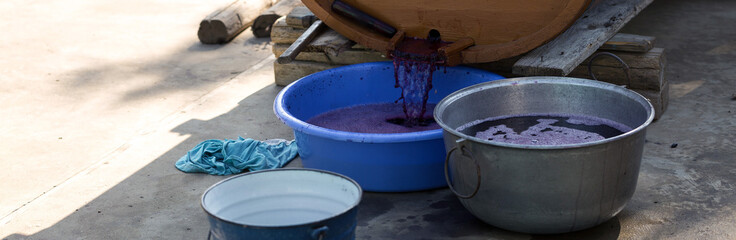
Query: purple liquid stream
(414,62)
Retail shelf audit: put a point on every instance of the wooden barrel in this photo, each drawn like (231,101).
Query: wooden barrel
(498,28)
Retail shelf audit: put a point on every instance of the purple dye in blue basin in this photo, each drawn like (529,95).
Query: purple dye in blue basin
(415,60)
(544,129)
(373,118)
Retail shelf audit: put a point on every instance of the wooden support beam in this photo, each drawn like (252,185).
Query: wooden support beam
(640,78)
(647,72)
(283,33)
(330,42)
(451,52)
(599,23)
(290,72)
(646,69)
(347,57)
(653,59)
(226,23)
(659,98)
(629,43)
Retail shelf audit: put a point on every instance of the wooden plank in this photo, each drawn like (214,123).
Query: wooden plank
(358,46)
(350,56)
(654,59)
(283,33)
(598,24)
(263,23)
(300,17)
(645,69)
(629,43)
(649,59)
(330,42)
(287,73)
(659,99)
(224,24)
(640,78)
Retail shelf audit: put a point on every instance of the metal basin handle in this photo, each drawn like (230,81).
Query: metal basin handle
(469,154)
(319,233)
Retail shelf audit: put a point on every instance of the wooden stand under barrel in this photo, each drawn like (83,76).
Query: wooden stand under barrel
(565,55)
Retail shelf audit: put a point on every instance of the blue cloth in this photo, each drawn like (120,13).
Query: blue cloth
(225,157)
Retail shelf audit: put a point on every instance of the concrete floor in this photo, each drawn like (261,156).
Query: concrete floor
(101,98)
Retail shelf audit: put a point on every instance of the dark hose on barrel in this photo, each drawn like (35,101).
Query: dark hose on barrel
(363,18)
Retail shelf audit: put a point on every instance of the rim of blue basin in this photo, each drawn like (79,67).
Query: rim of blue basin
(302,126)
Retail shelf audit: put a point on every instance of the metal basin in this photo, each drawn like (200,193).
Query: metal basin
(285,203)
(544,189)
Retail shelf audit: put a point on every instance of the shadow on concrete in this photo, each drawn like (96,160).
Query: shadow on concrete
(438,214)
(103,99)
(676,196)
(159,201)
(190,70)
(199,47)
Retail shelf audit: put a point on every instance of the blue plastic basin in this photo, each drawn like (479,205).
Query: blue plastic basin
(396,162)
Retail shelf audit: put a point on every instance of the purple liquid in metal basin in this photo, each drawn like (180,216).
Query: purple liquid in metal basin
(373,118)
(544,129)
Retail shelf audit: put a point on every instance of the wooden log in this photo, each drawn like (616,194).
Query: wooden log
(598,24)
(283,33)
(347,57)
(226,23)
(300,17)
(629,43)
(287,73)
(263,23)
